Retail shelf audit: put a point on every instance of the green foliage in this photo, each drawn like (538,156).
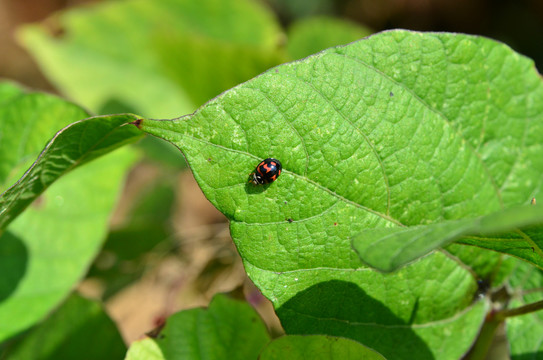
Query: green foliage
(47,249)
(124,257)
(228,329)
(317,347)
(525,333)
(78,327)
(370,138)
(311,35)
(156,58)
(393,146)
(71,147)
(31,119)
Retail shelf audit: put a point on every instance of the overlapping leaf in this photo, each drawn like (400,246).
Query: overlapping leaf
(29,120)
(387,249)
(71,147)
(46,250)
(80,326)
(311,35)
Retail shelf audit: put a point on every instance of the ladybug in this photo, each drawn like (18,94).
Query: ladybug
(266,172)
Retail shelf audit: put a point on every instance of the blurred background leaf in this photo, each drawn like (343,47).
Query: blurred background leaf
(142,240)
(48,248)
(311,35)
(71,147)
(227,329)
(156,58)
(29,120)
(78,329)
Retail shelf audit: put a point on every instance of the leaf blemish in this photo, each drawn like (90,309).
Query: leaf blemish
(39,202)
(137,123)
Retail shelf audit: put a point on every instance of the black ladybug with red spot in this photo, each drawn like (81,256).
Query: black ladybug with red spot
(266,172)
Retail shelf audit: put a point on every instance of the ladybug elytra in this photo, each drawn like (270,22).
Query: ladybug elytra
(266,172)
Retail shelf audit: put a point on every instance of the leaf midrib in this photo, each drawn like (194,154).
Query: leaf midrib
(317,185)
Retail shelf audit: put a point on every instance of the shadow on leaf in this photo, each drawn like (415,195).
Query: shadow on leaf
(13,263)
(251,188)
(340,308)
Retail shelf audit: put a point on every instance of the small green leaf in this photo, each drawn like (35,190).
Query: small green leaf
(398,129)
(145,349)
(311,35)
(156,58)
(71,147)
(388,249)
(228,329)
(295,347)
(526,244)
(525,332)
(78,329)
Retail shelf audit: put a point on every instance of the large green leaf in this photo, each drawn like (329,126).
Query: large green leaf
(387,249)
(228,329)
(79,329)
(525,332)
(156,58)
(126,254)
(399,129)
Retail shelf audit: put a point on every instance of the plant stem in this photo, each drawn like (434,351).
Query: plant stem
(493,320)
(484,340)
(525,309)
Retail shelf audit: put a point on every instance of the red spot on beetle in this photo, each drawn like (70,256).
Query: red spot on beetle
(266,172)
